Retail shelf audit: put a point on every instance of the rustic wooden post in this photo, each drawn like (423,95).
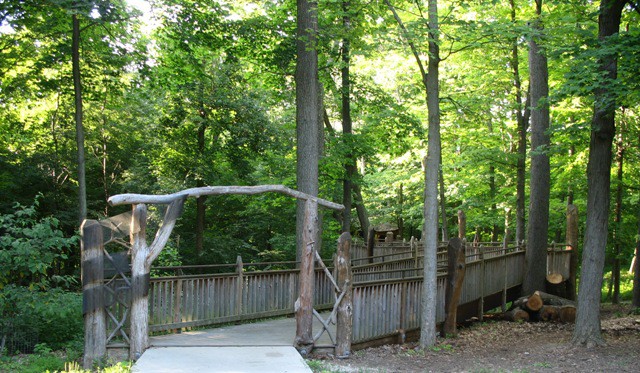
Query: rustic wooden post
(462,224)
(344,320)
(482,277)
(177,302)
(505,277)
(455,277)
(572,239)
(142,255)
(139,337)
(240,285)
(371,243)
(95,322)
(413,243)
(304,304)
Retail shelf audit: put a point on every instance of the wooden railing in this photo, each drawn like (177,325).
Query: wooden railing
(198,300)
(391,307)
(386,293)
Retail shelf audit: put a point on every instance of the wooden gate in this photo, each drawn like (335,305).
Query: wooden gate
(106,279)
(108,307)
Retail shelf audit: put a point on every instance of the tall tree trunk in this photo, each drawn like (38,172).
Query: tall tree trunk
(361,209)
(522,118)
(587,329)
(636,267)
(309,134)
(77,89)
(538,225)
(432,167)
(400,211)
(428,327)
(357,200)
(443,202)
(636,262)
(346,117)
(200,201)
(308,113)
(492,194)
(615,272)
(571,238)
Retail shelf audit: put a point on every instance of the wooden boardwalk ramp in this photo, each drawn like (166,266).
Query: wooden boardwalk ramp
(264,346)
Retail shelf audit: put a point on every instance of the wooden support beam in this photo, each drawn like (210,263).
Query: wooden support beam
(455,278)
(95,322)
(142,256)
(344,321)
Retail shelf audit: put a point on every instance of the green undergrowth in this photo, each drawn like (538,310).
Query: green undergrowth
(626,286)
(45,360)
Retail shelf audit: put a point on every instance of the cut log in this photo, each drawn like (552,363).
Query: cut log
(549,313)
(557,285)
(567,313)
(534,303)
(554,300)
(517,314)
(531,302)
(554,278)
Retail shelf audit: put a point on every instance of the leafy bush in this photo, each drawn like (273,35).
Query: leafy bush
(32,310)
(29,316)
(30,247)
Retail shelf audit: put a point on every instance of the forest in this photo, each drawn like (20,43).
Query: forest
(101,97)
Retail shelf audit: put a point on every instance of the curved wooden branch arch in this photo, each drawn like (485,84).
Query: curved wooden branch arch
(123,199)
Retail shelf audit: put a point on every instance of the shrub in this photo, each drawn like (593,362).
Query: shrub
(32,316)
(30,247)
(31,310)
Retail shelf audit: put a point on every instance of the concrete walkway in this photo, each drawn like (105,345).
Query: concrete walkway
(275,359)
(257,347)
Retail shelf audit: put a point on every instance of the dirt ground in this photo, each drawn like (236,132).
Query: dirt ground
(501,346)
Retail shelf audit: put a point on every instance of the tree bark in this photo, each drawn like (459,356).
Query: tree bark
(517,314)
(443,202)
(346,117)
(361,210)
(587,330)
(345,308)
(308,111)
(615,271)
(200,201)
(571,238)
(455,277)
(432,167)
(538,225)
(304,304)
(522,120)
(428,327)
(636,267)
(462,225)
(77,89)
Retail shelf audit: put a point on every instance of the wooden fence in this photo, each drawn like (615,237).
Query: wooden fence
(198,300)
(386,293)
(390,308)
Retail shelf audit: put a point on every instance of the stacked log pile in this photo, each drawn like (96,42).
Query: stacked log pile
(541,306)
